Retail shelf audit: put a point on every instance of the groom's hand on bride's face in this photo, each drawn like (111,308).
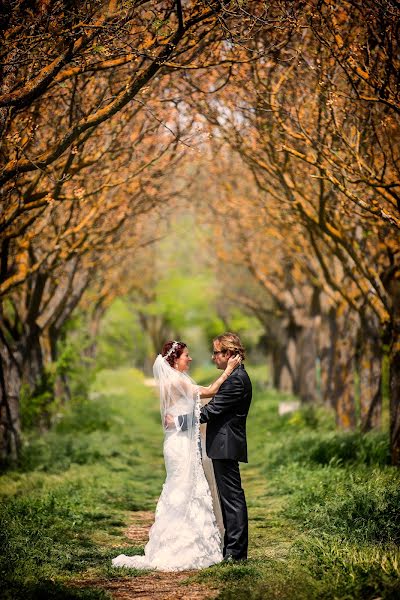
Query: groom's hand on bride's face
(169,422)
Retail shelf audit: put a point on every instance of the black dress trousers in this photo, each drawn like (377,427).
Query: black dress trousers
(233,506)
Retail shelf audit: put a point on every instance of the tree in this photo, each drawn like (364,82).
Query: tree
(86,92)
(318,152)
(53,227)
(319,149)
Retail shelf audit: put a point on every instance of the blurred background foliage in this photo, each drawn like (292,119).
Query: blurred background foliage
(184,300)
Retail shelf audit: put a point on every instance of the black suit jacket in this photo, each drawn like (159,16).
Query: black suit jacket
(226,415)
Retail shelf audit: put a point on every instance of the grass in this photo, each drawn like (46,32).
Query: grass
(323,506)
(64,510)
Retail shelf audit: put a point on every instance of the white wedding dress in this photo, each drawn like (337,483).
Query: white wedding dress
(185,534)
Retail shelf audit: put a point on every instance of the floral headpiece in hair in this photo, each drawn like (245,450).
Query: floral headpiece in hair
(173,347)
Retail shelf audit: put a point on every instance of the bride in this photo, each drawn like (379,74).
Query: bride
(185,533)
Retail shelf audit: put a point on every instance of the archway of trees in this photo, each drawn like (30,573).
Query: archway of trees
(274,127)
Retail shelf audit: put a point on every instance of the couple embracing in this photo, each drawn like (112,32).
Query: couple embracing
(201,483)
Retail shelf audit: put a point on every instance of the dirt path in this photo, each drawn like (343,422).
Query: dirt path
(151,586)
(270,539)
(158,586)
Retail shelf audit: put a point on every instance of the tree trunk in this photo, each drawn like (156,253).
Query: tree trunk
(276,365)
(33,363)
(370,373)
(328,337)
(306,363)
(94,329)
(394,375)
(343,400)
(61,389)
(10,423)
(282,373)
(287,377)
(391,337)
(394,380)
(277,343)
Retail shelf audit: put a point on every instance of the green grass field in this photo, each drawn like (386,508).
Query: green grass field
(323,506)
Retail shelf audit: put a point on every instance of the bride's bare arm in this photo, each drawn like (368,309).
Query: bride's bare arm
(212,389)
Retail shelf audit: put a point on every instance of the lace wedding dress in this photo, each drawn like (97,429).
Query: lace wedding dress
(185,533)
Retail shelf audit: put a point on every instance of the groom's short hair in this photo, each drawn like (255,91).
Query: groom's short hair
(231,341)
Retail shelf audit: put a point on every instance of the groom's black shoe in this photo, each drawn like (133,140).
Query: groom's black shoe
(232,559)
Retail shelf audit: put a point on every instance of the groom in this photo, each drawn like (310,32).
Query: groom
(226,444)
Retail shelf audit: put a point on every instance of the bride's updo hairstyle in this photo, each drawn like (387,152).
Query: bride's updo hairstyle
(172,350)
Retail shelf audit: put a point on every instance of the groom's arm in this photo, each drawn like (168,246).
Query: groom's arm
(230,393)
(180,423)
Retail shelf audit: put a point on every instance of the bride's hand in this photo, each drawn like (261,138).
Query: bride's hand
(169,422)
(233,362)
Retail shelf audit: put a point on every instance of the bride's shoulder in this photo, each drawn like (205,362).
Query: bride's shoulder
(188,379)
